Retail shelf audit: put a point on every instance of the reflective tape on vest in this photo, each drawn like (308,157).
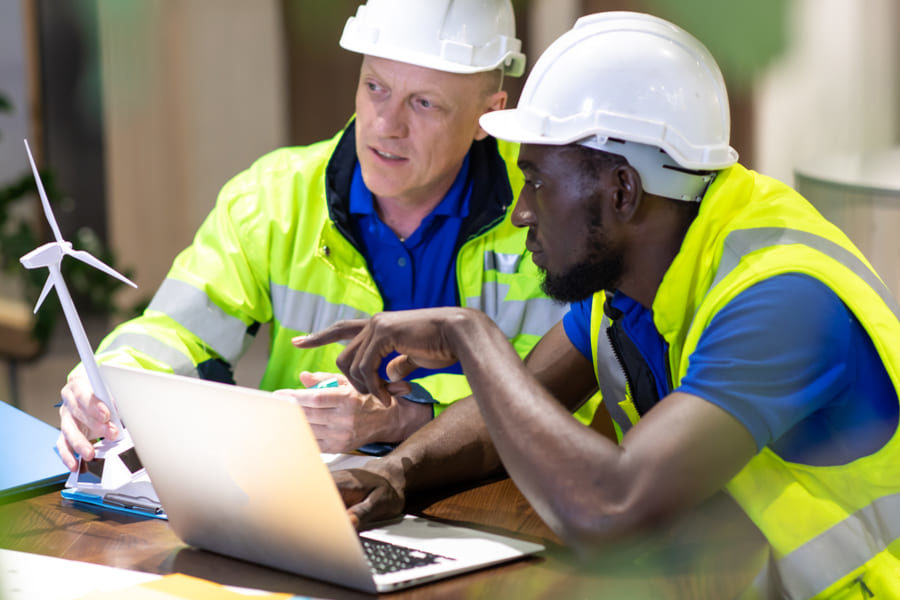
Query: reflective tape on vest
(610,376)
(502,263)
(534,316)
(741,242)
(225,334)
(308,312)
(148,345)
(833,554)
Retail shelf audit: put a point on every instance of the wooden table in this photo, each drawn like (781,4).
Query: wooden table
(712,553)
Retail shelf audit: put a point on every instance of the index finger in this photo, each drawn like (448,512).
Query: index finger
(342,330)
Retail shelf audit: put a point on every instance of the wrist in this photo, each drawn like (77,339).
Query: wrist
(464,327)
(404,416)
(410,417)
(391,468)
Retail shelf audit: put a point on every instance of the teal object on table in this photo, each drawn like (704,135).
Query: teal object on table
(29,464)
(326,383)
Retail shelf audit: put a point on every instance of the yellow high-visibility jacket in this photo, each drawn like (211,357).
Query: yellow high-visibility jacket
(834,530)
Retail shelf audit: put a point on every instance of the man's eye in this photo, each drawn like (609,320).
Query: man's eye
(425,103)
(535,185)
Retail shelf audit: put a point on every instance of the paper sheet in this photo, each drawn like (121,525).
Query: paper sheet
(26,576)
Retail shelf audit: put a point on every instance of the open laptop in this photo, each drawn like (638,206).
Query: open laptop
(238,472)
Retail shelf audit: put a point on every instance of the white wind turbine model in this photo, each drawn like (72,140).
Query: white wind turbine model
(115,473)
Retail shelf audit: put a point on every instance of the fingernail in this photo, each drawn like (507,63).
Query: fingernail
(298,339)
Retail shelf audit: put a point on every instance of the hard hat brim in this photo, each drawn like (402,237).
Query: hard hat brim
(530,127)
(513,125)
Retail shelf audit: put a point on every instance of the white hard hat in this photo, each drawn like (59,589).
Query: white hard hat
(458,36)
(631,84)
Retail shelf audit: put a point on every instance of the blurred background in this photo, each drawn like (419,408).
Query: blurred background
(140,110)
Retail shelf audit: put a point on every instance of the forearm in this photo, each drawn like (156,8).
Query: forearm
(551,457)
(588,489)
(155,341)
(455,447)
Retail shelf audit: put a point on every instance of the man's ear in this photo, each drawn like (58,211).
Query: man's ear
(496,101)
(629,192)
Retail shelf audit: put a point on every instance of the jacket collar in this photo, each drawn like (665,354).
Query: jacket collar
(491,193)
(688,278)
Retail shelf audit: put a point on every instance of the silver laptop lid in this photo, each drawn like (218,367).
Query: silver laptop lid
(208,448)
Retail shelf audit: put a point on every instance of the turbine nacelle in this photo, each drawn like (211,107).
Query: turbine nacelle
(49,254)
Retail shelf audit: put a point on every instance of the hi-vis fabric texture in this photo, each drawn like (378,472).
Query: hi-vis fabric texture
(834,531)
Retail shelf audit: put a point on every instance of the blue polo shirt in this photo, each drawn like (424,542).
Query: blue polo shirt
(786,358)
(420,271)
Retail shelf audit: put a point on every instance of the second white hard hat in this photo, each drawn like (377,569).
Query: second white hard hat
(631,84)
(458,36)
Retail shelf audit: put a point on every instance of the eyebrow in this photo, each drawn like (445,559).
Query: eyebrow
(367,70)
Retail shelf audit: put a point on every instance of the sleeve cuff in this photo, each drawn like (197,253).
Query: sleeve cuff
(419,395)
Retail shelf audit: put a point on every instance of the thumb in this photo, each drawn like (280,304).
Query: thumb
(361,513)
(354,520)
(399,367)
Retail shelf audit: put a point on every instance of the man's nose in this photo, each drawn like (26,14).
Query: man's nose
(391,120)
(522,215)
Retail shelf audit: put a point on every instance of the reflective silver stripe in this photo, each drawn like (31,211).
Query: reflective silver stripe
(534,316)
(741,242)
(308,312)
(196,312)
(503,263)
(180,362)
(833,554)
(611,377)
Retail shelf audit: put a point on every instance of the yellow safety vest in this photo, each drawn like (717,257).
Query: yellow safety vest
(834,530)
(277,249)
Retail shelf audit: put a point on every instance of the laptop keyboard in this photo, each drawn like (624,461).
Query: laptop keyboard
(384,557)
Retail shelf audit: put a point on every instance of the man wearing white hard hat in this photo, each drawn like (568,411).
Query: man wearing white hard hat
(740,341)
(407,207)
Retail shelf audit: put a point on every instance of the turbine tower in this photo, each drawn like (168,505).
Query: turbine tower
(50,255)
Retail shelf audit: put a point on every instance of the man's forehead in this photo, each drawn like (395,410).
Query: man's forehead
(534,157)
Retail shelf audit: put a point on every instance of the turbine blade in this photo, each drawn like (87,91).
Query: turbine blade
(48,285)
(90,259)
(43,194)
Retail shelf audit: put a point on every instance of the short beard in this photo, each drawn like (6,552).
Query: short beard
(603,267)
(601,270)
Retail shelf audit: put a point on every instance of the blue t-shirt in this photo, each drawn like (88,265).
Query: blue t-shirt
(787,359)
(420,271)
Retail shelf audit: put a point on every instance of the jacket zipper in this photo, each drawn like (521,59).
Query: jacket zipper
(618,354)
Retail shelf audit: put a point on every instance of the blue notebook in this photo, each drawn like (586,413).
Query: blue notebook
(29,464)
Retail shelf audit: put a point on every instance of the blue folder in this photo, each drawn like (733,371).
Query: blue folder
(29,464)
